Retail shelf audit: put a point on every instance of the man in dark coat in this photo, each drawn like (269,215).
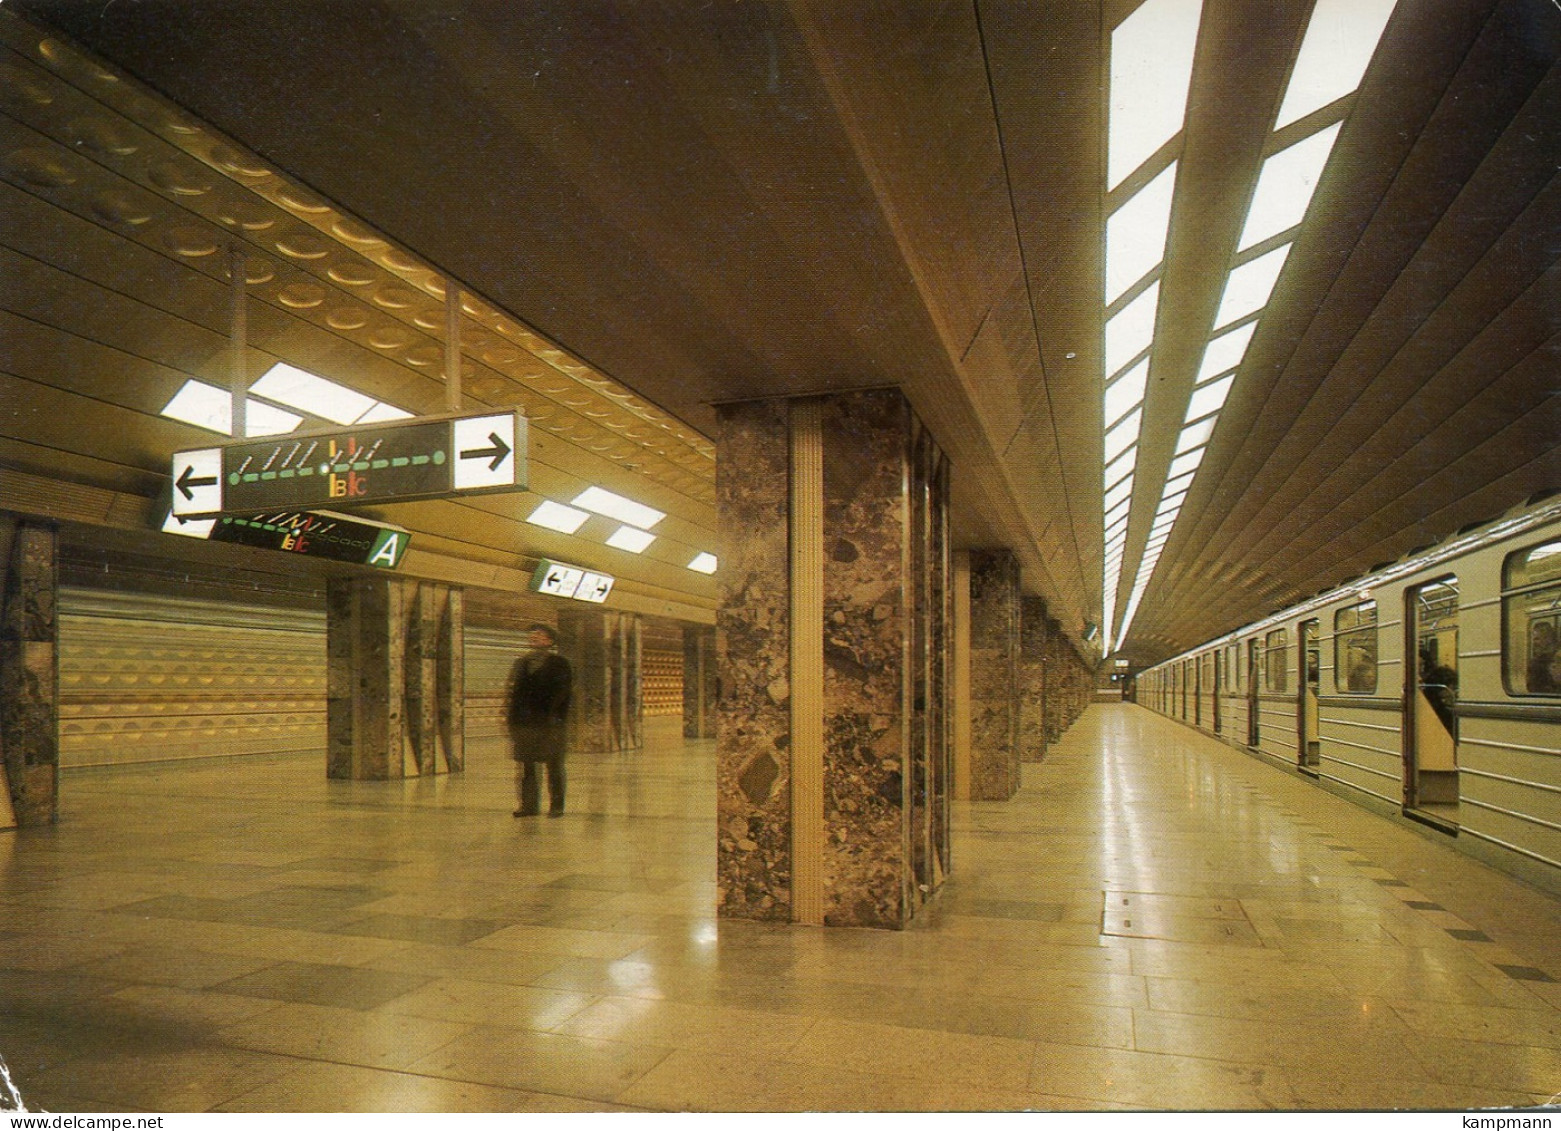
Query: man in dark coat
(539,690)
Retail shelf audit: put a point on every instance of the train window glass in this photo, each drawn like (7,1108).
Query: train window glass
(1233,666)
(1274,662)
(1531,614)
(1355,649)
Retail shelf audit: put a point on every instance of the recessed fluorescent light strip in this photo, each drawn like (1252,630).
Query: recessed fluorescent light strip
(298,392)
(1340,40)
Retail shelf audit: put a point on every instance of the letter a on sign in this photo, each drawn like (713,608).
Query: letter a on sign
(388,552)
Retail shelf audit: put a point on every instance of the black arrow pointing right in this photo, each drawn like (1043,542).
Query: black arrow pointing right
(189,479)
(499,450)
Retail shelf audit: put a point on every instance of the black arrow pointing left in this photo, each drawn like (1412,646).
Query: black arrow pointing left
(499,450)
(189,479)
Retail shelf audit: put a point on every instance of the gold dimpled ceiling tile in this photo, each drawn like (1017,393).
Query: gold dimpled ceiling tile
(98,145)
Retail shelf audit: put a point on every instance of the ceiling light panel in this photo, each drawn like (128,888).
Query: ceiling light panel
(1210,398)
(1285,187)
(1185,463)
(1127,391)
(1151,68)
(1226,351)
(1340,40)
(1135,234)
(1194,436)
(1130,332)
(556,516)
(297,389)
(1124,434)
(1122,465)
(616,506)
(631,539)
(704,563)
(1248,286)
(207,406)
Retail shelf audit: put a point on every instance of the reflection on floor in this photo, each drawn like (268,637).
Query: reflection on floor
(1156,921)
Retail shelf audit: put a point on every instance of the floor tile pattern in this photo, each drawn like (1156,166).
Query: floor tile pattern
(1155,921)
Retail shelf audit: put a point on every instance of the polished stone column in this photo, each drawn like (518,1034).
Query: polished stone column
(833,770)
(29,669)
(604,648)
(1032,679)
(994,675)
(393,651)
(699,682)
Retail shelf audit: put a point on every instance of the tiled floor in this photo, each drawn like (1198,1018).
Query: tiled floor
(1155,921)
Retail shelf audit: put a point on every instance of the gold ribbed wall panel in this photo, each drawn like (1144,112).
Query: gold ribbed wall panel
(146,679)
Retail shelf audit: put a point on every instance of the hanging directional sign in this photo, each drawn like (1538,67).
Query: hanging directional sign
(314,534)
(560,579)
(425,458)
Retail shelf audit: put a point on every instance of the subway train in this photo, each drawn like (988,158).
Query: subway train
(1428,689)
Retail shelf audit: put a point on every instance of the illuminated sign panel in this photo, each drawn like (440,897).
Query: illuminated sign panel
(314,534)
(409,459)
(558,579)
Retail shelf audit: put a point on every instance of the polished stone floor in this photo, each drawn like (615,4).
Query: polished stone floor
(1156,921)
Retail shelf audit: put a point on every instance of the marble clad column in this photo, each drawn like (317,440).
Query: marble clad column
(994,673)
(753,632)
(1034,687)
(604,647)
(29,669)
(451,677)
(434,662)
(699,681)
(856,843)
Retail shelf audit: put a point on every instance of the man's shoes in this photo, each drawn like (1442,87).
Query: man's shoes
(525,812)
(555,812)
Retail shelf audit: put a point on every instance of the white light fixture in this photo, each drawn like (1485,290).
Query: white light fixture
(556,516)
(1131,330)
(1226,351)
(1135,234)
(630,539)
(207,406)
(1339,43)
(1127,391)
(1285,187)
(1185,463)
(1194,436)
(616,506)
(288,385)
(1248,287)
(703,563)
(1151,69)
(1210,398)
(382,412)
(1123,435)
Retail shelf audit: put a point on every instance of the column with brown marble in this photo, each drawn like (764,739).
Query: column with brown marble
(1033,684)
(871,720)
(365,696)
(753,632)
(433,658)
(699,681)
(602,645)
(994,675)
(29,669)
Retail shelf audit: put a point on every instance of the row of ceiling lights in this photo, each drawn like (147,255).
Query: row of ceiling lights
(1150,75)
(290,394)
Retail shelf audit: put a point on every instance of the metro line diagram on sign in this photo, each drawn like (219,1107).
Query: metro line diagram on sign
(415,459)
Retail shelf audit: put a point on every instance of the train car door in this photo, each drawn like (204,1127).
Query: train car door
(1431,714)
(1311,685)
(1254,679)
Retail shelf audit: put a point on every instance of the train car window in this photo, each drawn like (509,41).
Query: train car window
(1274,662)
(1355,649)
(1531,620)
(1233,666)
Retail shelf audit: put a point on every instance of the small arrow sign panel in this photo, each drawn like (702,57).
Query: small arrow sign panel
(486,454)
(197,482)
